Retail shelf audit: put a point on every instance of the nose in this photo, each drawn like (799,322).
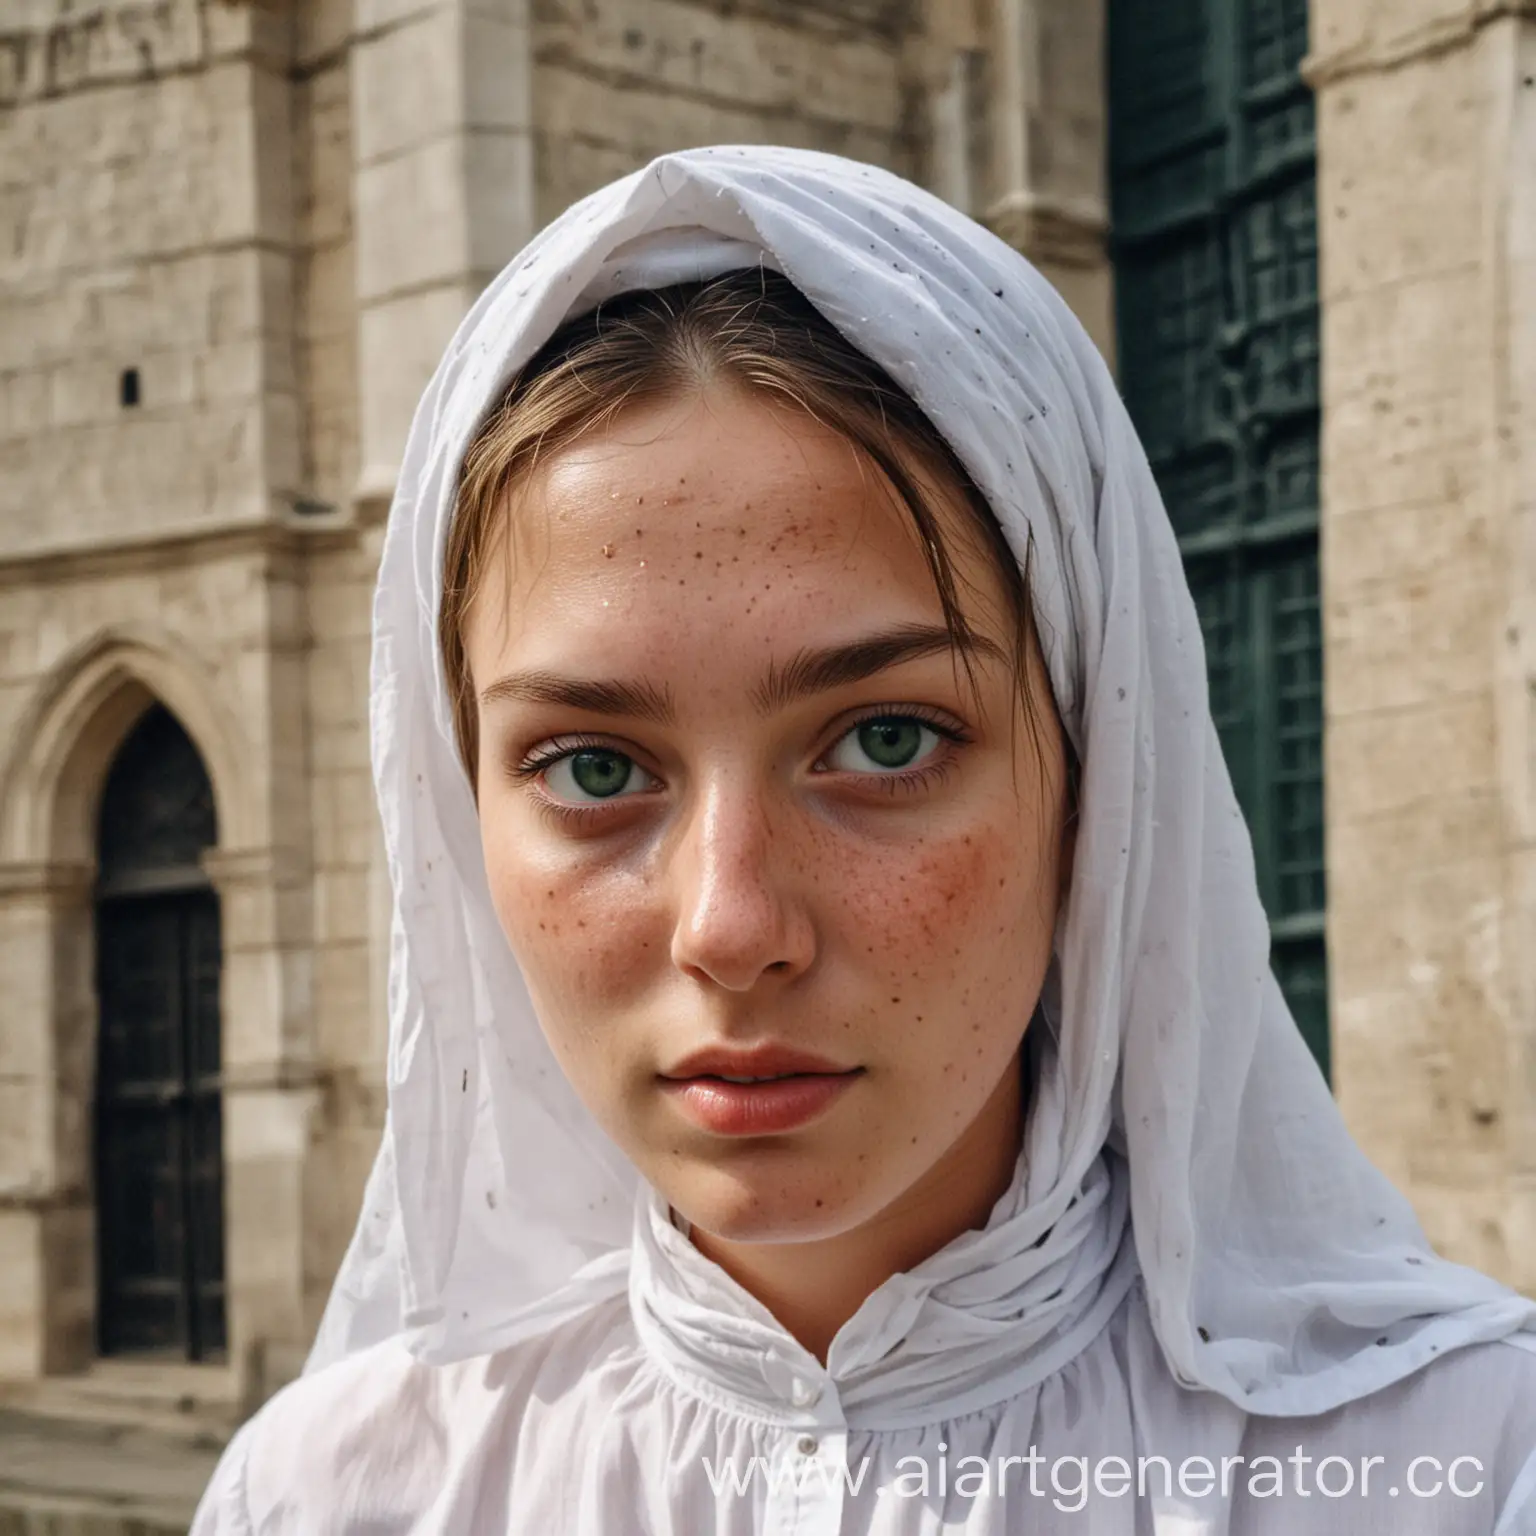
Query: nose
(739,914)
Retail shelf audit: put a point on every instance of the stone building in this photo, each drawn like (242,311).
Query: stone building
(234,236)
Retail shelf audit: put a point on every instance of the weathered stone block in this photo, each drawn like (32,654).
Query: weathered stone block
(1385,1110)
(413,227)
(1391,759)
(323,29)
(1399,644)
(323,155)
(254,1037)
(1382,848)
(689,57)
(376,15)
(497,72)
(498,178)
(409,85)
(345,1032)
(26,1137)
(341,906)
(648,122)
(26,1052)
(23,1324)
(267,1139)
(1386,28)
(1427,124)
(400,341)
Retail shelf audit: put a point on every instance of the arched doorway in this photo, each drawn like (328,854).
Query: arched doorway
(159,1160)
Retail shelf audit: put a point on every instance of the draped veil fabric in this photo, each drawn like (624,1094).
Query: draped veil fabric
(1175,1106)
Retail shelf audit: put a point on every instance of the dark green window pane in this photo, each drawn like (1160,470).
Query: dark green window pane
(1298,739)
(1303,975)
(1276,41)
(1213,187)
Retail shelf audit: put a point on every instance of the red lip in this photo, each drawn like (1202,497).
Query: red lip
(758,1061)
(803,1086)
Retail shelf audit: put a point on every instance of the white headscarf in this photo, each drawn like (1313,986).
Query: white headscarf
(1281,1269)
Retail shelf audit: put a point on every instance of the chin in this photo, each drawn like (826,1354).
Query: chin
(759,1202)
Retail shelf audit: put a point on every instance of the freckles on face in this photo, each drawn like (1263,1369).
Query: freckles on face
(688,841)
(586,938)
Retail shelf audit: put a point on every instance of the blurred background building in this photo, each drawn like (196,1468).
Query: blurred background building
(234,238)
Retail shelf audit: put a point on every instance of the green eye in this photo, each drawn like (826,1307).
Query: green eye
(891,743)
(885,743)
(593,773)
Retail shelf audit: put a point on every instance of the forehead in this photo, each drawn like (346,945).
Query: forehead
(721,508)
(718,464)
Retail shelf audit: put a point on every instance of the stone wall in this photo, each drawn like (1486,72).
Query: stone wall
(325,252)
(442,152)
(155,456)
(350,951)
(351,935)
(148,231)
(617,83)
(1427,201)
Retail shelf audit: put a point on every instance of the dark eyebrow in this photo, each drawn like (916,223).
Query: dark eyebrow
(638,700)
(835,666)
(805,674)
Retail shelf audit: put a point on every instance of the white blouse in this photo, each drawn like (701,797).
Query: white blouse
(682,1408)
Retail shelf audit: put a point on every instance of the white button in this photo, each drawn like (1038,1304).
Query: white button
(806,1445)
(804,1393)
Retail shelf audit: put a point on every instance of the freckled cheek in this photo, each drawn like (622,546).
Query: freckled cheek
(924,908)
(581,944)
(949,935)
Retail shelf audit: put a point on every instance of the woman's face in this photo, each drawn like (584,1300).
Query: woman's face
(743,816)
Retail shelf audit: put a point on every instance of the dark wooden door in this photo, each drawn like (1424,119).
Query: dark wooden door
(159,1165)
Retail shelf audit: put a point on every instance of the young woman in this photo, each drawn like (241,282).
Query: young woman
(836,1079)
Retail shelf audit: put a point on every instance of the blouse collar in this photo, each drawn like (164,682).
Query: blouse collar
(991,1314)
